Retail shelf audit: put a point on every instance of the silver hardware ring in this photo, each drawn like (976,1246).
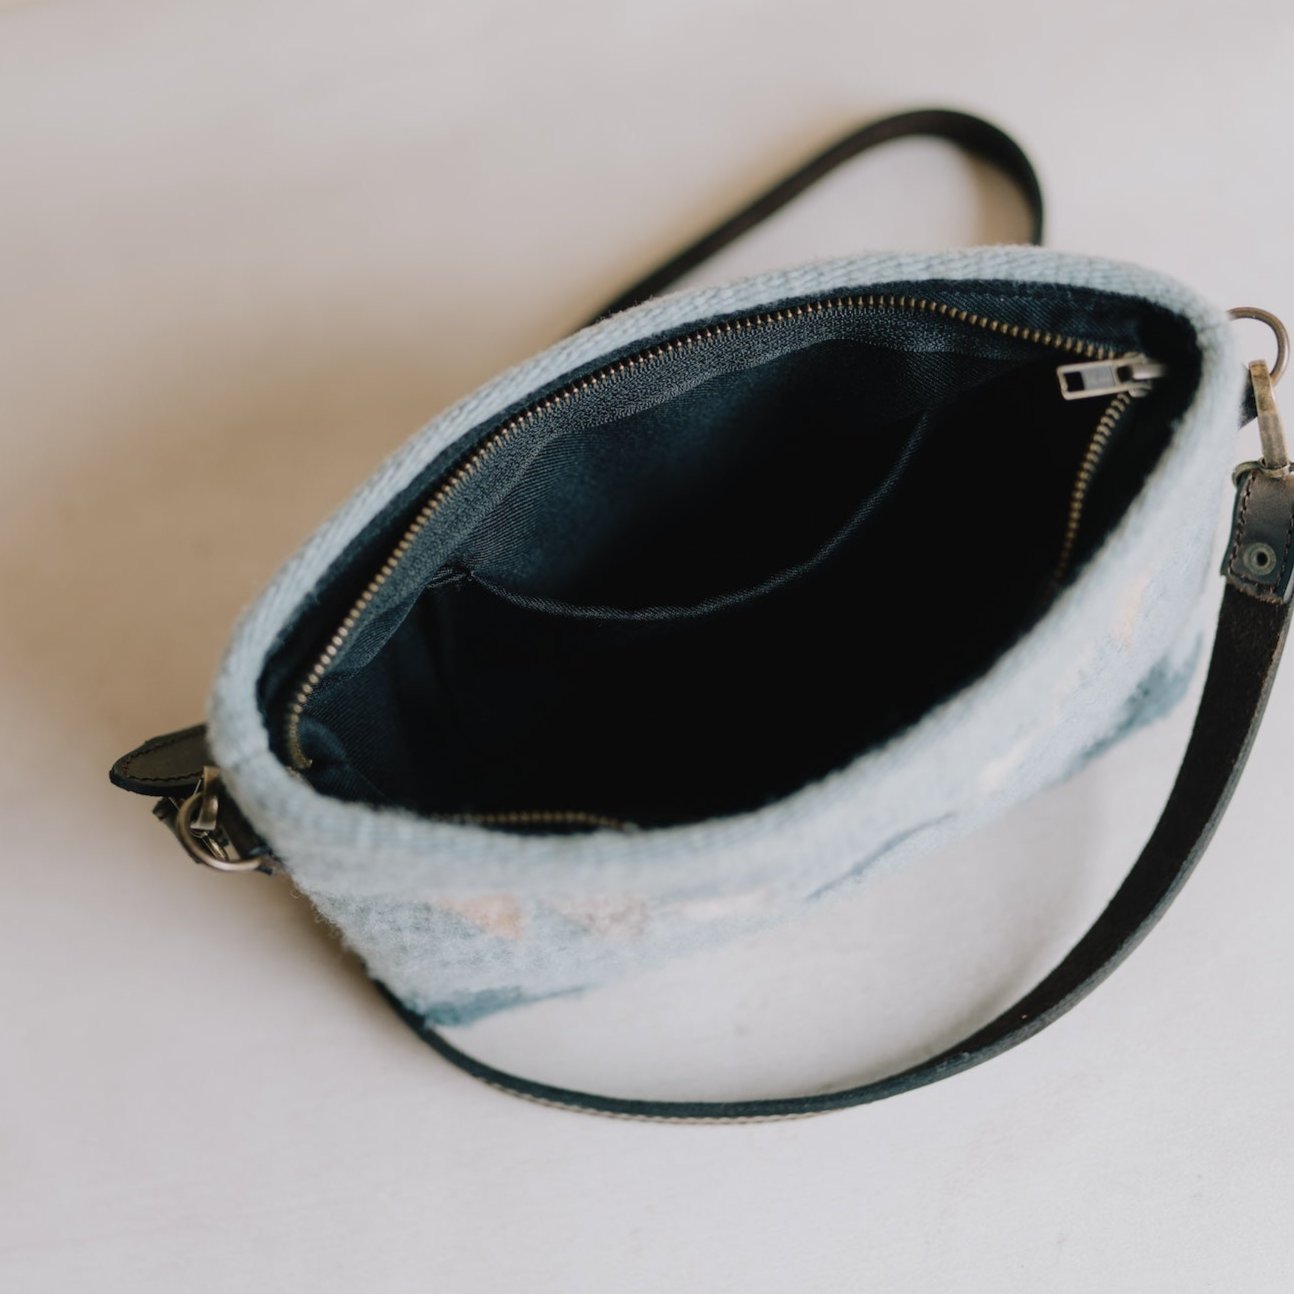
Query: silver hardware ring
(1278,328)
(202,849)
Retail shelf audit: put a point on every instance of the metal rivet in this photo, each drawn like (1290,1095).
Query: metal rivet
(1259,560)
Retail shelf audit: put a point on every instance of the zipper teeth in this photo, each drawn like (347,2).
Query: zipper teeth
(633,363)
(1096,448)
(538,817)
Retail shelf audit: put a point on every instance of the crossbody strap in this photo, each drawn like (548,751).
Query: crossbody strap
(1251,632)
(973,135)
(1253,623)
(1250,635)
(1252,627)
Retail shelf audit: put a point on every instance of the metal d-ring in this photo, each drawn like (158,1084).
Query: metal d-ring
(201,846)
(1278,328)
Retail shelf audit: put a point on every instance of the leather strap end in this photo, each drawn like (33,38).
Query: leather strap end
(1260,556)
(169,765)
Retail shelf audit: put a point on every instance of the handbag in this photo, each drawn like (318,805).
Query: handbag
(675,630)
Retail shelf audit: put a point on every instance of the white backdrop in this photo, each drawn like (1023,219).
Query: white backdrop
(245,249)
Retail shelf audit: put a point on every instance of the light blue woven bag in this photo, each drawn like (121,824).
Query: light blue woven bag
(676,629)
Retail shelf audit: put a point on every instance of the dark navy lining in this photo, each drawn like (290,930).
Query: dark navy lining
(691,595)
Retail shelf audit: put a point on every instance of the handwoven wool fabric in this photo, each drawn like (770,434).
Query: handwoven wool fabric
(458,920)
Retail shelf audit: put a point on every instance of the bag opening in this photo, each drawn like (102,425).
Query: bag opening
(692,580)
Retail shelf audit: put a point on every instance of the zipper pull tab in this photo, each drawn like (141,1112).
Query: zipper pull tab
(1131,373)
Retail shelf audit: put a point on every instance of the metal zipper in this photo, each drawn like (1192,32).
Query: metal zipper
(538,818)
(1095,452)
(1090,351)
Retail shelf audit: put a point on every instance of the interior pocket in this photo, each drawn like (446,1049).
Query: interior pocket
(903,440)
(726,580)
(690,500)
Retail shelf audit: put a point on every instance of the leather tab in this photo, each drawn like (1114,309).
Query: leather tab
(170,765)
(1260,557)
(973,135)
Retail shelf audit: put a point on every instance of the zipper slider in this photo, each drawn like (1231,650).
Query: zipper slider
(1131,373)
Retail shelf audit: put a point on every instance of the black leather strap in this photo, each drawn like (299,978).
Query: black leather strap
(169,765)
(1252,627)
(1251,633)
(973,134)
